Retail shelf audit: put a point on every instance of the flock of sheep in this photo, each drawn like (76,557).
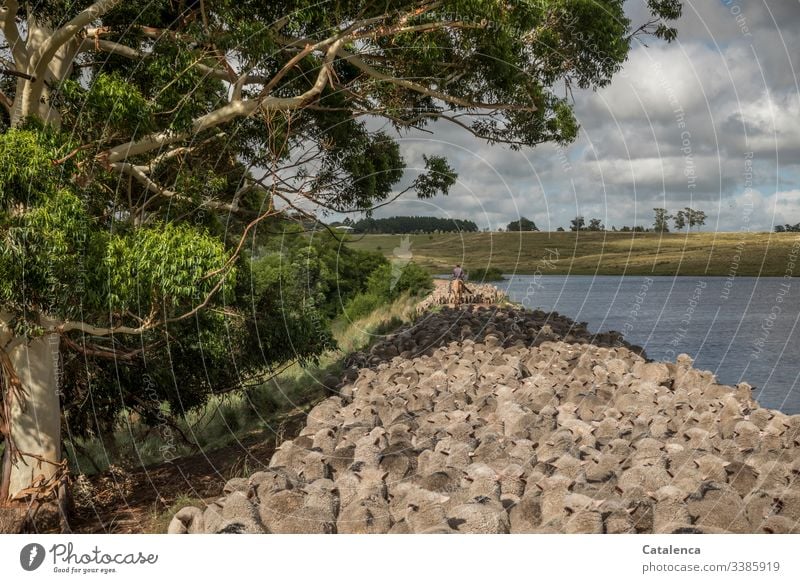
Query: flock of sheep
(498,420)
(474,293)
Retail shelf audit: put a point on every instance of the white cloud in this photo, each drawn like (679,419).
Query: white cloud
(731,85)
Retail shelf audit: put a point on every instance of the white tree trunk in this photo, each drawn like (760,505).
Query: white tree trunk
(36,427)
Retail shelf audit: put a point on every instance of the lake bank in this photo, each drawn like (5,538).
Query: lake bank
(732,254)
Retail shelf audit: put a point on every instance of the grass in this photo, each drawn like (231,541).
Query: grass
(598,253)
(254,411)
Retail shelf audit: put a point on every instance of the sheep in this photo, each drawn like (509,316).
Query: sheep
(600,467)
(526,515)
(314,467)
(554,491)
(508,431)
(712,468)
(188,520)
(719,506)
(583,516)
(670,508)
(779,525)
(279,507)
(616,517)
(239,516)
(368,448)
(398,461)
(481,515)
(341,458)
(365,516)
(323,495)
(287,455)
(512,481)
(747,436)
(425,510)
(742,477)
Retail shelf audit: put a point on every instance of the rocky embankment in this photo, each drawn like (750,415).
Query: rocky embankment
(497,420)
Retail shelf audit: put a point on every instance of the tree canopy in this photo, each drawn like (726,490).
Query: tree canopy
(522,224)
(403,225)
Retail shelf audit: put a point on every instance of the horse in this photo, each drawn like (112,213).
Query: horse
(456,290)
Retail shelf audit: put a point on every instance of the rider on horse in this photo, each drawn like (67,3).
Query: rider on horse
(457,285)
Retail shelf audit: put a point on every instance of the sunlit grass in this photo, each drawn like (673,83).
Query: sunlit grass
(587,253)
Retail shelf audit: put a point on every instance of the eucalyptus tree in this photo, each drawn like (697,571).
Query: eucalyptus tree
(661,223)
(143,144)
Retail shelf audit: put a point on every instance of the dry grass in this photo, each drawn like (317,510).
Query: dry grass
(585,253)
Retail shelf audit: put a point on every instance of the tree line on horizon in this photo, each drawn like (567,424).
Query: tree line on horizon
(412,224)
(787,228)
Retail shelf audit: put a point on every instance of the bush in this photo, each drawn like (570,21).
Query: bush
(488,274)
(385,285)
(362,305)
(389,281)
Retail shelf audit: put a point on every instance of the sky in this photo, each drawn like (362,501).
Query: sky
(710,121)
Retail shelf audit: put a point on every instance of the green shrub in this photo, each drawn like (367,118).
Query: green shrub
(362,305)
(389,281)
(487,274)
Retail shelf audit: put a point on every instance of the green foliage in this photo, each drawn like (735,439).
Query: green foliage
(438,177)
(595,225)
(163,264)
(109,108)
(523,224)
(403,225)
(387,283)
(362,305)
(486,274)
(661,223)
(27,172)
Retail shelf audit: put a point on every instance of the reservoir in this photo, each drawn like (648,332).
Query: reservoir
(742,329)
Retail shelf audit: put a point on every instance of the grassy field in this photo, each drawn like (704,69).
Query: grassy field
(752,254)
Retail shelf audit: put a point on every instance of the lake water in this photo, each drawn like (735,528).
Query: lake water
(742,329)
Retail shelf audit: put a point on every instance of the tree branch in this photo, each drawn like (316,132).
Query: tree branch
(97,351)
(229,112)
(13,73)
(416,87)
(63,35)
(70,326)
(5,100)
(11,32)
(139,175)
(107,46)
